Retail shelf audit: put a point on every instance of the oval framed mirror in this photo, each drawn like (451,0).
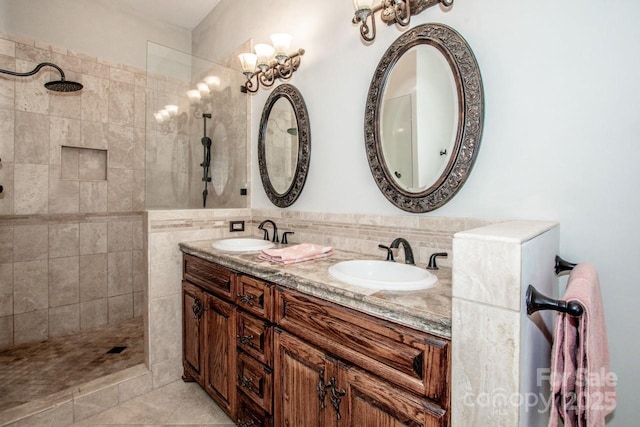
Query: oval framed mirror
(424,118)
(284,145)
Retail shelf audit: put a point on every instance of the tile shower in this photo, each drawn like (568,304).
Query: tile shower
(71,242)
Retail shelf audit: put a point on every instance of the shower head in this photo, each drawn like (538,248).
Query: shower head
(61,85)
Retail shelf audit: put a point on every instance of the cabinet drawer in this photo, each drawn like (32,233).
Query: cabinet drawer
(255,337)
(255,296)
(415,360)
(215,279)
(250,415)
(256,381)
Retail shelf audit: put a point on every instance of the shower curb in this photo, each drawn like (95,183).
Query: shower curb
(83,401)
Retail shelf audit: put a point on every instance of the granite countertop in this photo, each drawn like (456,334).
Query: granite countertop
(426,310)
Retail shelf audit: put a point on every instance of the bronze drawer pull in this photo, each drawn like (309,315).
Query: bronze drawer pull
(322,392)
(246,340)
(246,423)
(245,382)
(246,299)
(336,396)
(197,309)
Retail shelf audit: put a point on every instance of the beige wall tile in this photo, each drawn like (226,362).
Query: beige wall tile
(138,304)
(32,53)
(138,190)
(6,244)
(120,308)
(30,242)
(120,273)
(64,240)
(119,236)
(95,98)
(69,163)
(64,320)
(165,328)
(66,105)
(93,196)
(7,86)
(121,147)
(93,277)
(31,289)
(93,238)
(31,189)
(139,271)
(135,387)
(6,332)
(62,132)
(64,195)
(60,415)
(119,190)
(140,107)
(7,121)
(31,138)
(93,314)
(6,290)
(7,47)
(94,68)
(95,135)
(30,327)
(7,196)
(64,281)
(92,164)
(121,103)
(30,94)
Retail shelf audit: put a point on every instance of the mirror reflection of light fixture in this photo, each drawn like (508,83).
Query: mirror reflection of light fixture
(269,62)
(199,97)
(392,12)
(163,117)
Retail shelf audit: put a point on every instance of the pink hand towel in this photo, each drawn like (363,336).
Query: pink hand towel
(296,253)
(582,387)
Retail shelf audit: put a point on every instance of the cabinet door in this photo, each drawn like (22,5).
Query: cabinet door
(193,301)
(220,353)
(365,400)
(301,374)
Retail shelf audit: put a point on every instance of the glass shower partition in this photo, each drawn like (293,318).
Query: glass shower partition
(176,156)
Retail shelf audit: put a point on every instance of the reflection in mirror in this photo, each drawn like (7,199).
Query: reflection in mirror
(424,116)
(419,118)
(281,149)
(221,162)
(284,145)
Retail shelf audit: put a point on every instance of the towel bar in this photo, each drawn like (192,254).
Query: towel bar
(562,265)
(537,301)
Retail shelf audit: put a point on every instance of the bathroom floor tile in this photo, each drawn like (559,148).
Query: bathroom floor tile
(34,371)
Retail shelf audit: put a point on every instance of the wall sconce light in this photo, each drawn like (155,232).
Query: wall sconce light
(392,12)
(269,63)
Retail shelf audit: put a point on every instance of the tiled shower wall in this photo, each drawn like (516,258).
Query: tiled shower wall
(71,240)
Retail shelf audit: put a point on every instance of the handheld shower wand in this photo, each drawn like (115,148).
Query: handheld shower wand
(61,85)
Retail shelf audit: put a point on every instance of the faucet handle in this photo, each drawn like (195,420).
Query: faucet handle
(284,236)
(389,252)
(432,260)
(265,236)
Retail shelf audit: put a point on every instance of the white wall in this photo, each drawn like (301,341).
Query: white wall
(560,140)
(91,27)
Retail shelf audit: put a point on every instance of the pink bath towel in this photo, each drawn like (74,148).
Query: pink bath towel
(582,387)
(296,253)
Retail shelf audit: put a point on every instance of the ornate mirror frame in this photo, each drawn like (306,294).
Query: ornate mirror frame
(294,97)
(470,117)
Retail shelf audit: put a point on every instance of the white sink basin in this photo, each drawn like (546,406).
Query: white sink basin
(242,245)
(383,275)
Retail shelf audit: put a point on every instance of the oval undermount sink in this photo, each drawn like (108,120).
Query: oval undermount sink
(383,275)
(242,244)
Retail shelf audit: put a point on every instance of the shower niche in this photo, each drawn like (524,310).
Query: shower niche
(196,133)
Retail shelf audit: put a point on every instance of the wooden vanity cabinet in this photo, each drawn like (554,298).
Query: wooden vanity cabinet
(209,329)
(272,356)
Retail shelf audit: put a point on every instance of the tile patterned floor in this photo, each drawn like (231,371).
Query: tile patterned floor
(178,403)
(32,371)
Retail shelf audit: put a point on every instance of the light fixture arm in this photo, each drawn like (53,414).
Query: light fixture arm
(392,12)
(275,71)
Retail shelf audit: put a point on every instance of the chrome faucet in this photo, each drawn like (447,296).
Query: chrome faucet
(266,232)
(408,252)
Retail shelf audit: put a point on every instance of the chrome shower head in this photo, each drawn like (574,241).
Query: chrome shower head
(61,85)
